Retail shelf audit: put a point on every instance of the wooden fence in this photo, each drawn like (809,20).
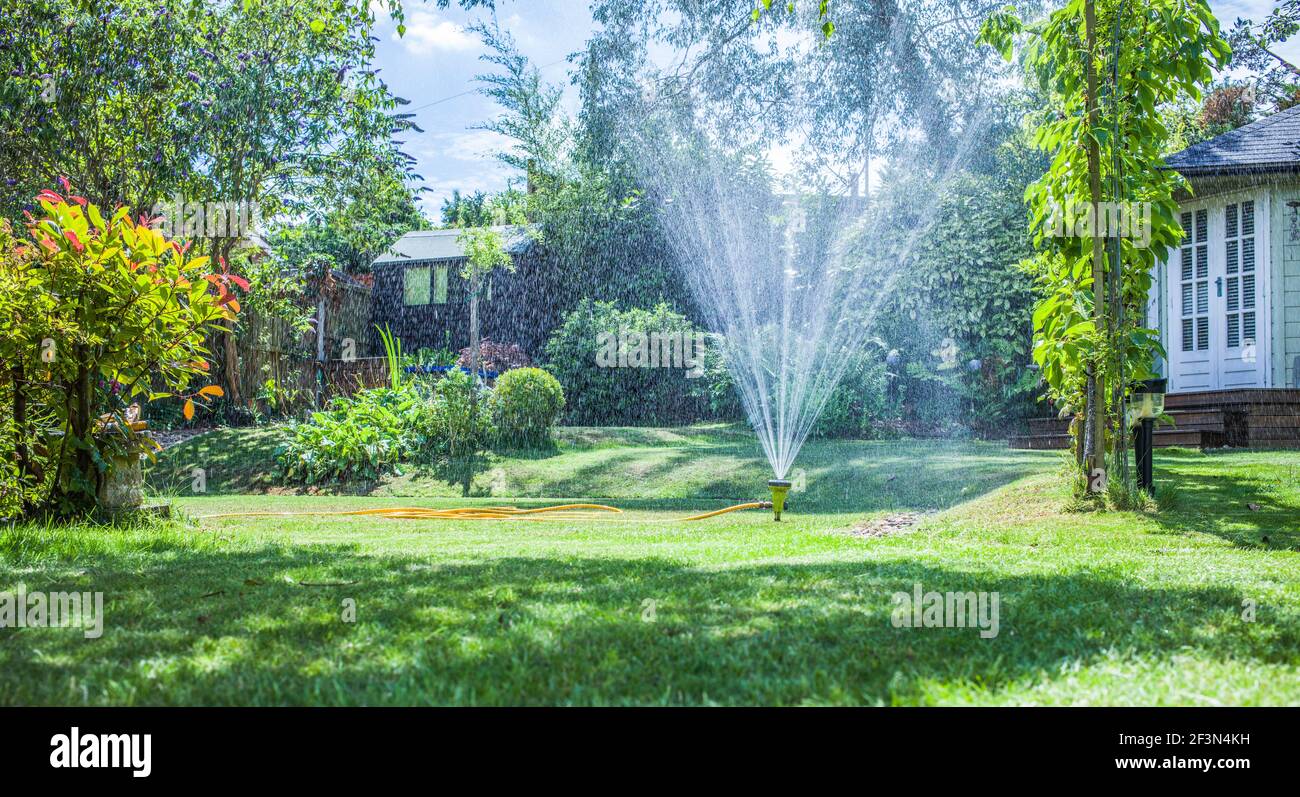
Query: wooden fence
(285,368)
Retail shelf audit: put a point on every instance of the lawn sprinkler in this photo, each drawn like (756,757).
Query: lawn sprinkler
(779,487)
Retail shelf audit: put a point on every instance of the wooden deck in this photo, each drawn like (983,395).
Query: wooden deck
(1247,418)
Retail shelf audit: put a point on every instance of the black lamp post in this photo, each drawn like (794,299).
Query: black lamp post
(1147,404)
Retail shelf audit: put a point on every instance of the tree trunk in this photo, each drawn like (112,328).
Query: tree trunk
(20,419)
(1118,306)
(81,427)
(1096,401)
(474,281)
(22,454)
(230,352)
(231,359)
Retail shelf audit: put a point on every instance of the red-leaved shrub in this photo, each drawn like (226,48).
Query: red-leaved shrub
(499,357)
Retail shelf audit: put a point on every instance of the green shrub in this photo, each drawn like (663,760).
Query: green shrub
(526,404)
(99,315)
(358,438)
(602,395)
(861,404)
(715,388)
(452,430)
(368,435)
(963,289)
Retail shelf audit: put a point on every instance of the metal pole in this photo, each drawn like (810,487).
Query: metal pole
(1143,444)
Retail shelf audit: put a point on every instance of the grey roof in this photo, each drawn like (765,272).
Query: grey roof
(1271,144)
(425,245)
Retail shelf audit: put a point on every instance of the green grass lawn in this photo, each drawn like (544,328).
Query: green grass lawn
(1103,608)
(675,465)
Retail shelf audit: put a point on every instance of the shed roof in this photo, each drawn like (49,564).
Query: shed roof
(426,245)
(1267,145)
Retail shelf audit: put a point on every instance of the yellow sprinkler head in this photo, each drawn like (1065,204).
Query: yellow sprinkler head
(779,489)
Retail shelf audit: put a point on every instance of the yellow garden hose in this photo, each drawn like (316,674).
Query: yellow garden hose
(736,508)
(559,512)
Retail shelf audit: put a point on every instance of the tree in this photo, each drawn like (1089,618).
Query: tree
(288,105)
(354,220)
(1274,78)
(823,14)
(133,100)
(882,61)
(584,201)
(485,252)
(1107,137)
(531,112)
(97,313)
(265,102)
(95,95)
(465,211)
(887,61)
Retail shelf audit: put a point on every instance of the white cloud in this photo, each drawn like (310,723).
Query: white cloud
(1228,10)
(462,161)
(427,32)
(521,31)
(474,146)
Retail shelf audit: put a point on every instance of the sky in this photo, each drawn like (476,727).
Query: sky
(435,63)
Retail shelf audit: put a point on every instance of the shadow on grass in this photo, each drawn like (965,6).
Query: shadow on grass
(835,475)
(1229,504)
(708,464)
(232,460)
(593,437)
(202,626)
